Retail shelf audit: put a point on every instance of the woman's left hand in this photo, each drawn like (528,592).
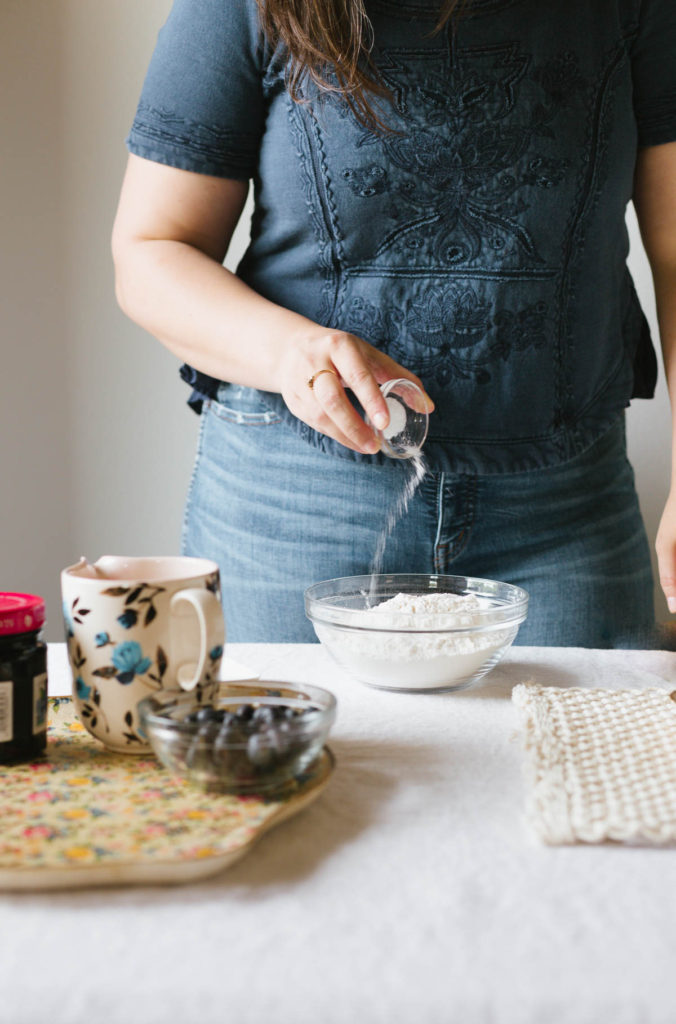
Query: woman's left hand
(665,546)
(655,203)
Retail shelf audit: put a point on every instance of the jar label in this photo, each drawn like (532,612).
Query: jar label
(6,711)
(40,703)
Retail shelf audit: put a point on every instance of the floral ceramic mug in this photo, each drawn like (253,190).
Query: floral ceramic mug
(135,627)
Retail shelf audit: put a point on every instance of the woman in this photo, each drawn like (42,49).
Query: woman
(438,195)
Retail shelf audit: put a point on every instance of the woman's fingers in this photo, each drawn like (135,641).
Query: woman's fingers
(351,356)
(318,370)
(363,369)
(340,414)
(385,368)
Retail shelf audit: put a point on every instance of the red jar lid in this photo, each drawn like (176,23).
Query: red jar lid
(21,613)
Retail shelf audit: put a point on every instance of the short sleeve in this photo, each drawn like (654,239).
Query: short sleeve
(201,107)
(654,73)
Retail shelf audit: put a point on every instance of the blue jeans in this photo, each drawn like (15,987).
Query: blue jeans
(278,515)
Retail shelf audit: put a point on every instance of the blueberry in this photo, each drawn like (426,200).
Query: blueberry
(232,732)
(244,712)
(228,720)
(208,714)
(222,739)
(260,749)
(264,715)
(282,737)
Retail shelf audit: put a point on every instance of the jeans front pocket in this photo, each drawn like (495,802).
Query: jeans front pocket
(235,403)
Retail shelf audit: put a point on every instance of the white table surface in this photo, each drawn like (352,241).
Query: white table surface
(411,891)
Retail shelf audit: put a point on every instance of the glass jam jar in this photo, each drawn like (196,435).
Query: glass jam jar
(23,678)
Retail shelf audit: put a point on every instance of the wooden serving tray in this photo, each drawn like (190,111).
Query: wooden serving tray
(84,816)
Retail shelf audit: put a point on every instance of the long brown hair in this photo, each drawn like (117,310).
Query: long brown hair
(329,42)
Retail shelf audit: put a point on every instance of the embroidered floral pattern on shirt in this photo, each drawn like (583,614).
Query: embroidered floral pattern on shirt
(458,175)
(450,333)
(459,163)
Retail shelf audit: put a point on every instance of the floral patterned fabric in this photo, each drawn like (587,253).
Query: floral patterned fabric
(84,806)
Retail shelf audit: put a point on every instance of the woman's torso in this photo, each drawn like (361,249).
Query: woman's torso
(482,242)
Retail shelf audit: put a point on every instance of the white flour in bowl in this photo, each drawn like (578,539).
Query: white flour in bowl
(389,656)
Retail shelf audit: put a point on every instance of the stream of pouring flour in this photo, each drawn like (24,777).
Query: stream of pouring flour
(415,469)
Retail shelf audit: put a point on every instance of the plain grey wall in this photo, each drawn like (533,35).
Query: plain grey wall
(96,440)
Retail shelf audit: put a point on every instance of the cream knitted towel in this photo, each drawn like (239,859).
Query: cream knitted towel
(599,764)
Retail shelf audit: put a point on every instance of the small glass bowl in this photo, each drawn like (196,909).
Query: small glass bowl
(415,652)
(252,739)
(405,434)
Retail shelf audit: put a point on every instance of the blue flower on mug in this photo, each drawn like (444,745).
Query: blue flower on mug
(81,688)
(216,652)
(128,619)
(129,661)
(101,639)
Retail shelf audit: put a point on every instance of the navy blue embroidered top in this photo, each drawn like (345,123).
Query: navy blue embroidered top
(483,242)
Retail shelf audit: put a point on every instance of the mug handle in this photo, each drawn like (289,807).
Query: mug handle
(209,613)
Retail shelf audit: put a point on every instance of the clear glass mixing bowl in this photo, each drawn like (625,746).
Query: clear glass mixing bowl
(416,651)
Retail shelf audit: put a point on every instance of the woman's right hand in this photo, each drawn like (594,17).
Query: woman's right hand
(315,369)
(172,231)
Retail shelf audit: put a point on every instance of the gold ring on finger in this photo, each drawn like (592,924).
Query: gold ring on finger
(313,378)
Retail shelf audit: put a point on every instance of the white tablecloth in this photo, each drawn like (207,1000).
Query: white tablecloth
(411,891)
